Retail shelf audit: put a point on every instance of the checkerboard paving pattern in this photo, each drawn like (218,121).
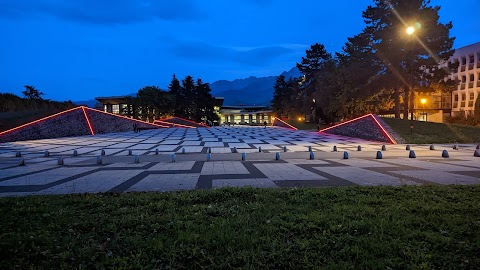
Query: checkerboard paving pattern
(192,170)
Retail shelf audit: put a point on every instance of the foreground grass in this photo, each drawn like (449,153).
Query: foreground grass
(337,228)
(427,132)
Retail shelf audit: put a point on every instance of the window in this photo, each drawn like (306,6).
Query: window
(115,108)
(464,79)
(471,58)
(464,61)
(104,107)
(456,97)
(471,98)
(462,102)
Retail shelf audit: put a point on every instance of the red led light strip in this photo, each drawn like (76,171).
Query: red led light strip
(88,120)
(389,137)
(132,119)
(186,120)
(39,120)
(285,123)
(173,124)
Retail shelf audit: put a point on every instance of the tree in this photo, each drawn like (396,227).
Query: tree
(281,96)
(400,55)
(204,103)
(153,103)
(32,93)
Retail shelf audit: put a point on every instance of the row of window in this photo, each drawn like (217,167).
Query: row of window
(463,101)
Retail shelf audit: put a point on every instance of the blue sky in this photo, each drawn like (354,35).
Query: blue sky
(79,49)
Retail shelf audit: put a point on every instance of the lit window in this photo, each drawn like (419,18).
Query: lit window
(104,108)
(115,108)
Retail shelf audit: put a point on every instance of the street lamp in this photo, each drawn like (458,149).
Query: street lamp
(423,101)
(410,32)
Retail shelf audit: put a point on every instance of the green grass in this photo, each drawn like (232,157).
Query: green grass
(430,227)
(302,125)
(427,132)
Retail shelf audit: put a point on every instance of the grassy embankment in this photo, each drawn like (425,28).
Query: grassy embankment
(428,132)
(430,227)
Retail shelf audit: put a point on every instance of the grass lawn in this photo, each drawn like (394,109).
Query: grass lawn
(427,132)
(336,228)
(302,125)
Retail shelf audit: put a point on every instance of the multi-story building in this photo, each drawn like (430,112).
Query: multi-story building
(468,75)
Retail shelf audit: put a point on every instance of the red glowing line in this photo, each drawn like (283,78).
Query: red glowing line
(186,120)
(132,119)
(37,121)
(276,118)
(88,120)
(173,124)
(389,137)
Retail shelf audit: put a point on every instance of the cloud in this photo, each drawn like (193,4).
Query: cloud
(104,11)
(249,56)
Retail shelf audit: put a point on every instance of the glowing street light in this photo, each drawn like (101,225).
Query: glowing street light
(410,30)
(423,101)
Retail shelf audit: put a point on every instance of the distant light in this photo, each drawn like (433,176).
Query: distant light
(423,100)
(299,119)
(410,30)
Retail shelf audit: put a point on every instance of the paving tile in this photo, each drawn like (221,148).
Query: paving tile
(365,177)
(287,172)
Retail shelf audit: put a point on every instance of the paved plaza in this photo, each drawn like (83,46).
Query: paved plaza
(155,170)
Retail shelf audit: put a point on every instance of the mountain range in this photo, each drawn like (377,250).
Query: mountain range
(249,91)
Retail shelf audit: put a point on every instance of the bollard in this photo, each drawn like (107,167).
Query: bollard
(284,149)
(183,150)
(103,152)
(18,154)
(345,155)
(259,149)
(60,161)
(235,150)
(407,147)
(455,147)
(21,162)
(156,151)
(310,149)
(379,155)
(277,156)
(478,146)
(335,148)
(244,156)
(445,154)
(476,153)
(384,148)
(173,157)
(129,152)
(136,159)
(312,156)
(75,153)
(412,154)
(99,160)
(209,150)
(46,154)
(359,148)
(209,157)
(432,147)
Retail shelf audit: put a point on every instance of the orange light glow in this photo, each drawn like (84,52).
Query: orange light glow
(132,119)
(88,120)
(173,124)
(285,123)
(186,120)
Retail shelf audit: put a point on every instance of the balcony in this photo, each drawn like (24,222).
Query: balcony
(470,103)
(470,85)
(462,104)
(470,66)
(462,68)
(455,104)
(462,86)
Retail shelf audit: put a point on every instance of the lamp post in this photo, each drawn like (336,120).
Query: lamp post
(423,101)
(410,32)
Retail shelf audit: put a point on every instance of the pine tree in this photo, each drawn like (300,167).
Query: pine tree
(280,96)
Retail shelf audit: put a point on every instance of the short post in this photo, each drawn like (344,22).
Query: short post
(129,152)
(309,148)
(173,157)
(18,154)
(407,147)
(359,148)
(209,156)
(284,149)
(345,155)
(102,153)
(259,149)
(136,159)
(379,155)
(244,156)
(277,156)
(384,148)
(156,151)
(312,156)
(99,160)
(46,154)
(60,161)
(21,162)
(75,153)
(432,147)
(455,147)
(235,150)
(476,153)
(335,148)
(183,150)
(209,150)
(445,154)
(412,154)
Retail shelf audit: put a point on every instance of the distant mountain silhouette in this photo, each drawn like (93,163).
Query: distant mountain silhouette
(248,91)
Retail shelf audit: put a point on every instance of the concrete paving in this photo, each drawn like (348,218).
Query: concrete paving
(195,168)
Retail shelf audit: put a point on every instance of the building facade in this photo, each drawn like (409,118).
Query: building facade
(468,75)
(245,115)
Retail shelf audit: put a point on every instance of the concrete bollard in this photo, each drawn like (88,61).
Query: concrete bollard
(173,157)
(18,154)
(99,160)
(102,153)
(183,150)
(359,148)
(75,153)
(235,150)
(244,156)
(379,155)
(312,156)
(455,147)
(136,159)
(209,150)
(476,153)
(284,149)
(259,149)
(209,156)
(129,152)
(407,147)
(478,146)
(345,155)
(46,154)
(412,154)
(445,154)
(310,149)
(432,147)
(384,148)
(60,161)
(156,151)
(21,162)
(277,156)
(335,148)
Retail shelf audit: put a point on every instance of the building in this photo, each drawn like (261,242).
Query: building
(245,115)
(468,74)
(115,104)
